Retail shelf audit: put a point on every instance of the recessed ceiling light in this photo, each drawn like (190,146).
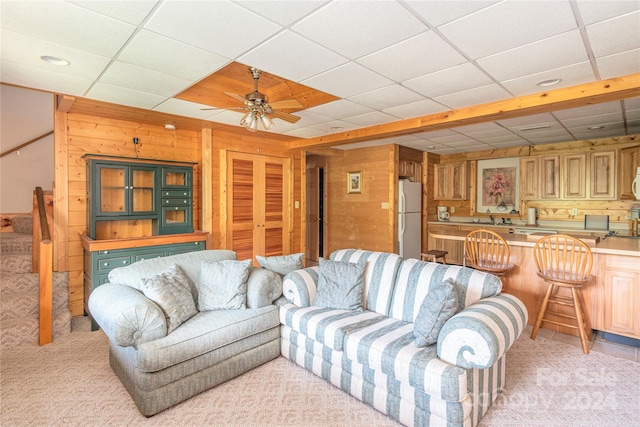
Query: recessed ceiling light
(170,126)
(55,60)
(337,128)
(549,82)
(596,127)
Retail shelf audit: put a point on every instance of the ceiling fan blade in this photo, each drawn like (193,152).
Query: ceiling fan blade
(284,116)
(236,96)
(220,108)
(287,103)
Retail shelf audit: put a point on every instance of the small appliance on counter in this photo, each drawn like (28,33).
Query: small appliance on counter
(596,222)
(531,216)
(443,215)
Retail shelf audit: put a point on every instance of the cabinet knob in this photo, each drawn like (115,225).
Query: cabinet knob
(106,264)
(124,262)
(176,208)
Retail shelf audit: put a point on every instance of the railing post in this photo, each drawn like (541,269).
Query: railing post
(46,292)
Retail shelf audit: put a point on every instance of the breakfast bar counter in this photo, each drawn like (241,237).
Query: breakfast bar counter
(612,298)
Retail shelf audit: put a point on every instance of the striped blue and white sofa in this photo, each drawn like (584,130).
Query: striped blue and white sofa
(372,354)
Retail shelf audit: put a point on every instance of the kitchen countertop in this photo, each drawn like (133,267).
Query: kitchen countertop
(611,245)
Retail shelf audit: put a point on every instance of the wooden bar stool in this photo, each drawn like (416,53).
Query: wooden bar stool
(487,251)
(564,262)
(433,256)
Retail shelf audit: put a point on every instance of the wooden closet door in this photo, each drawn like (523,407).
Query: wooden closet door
(258,203)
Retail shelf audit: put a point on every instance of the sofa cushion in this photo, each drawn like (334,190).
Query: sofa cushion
(282,264)
(340,285)
(416,279)
(132,275)
(171,291)
(325,325)
(299,287)
(223,285)
(440,304)
(388,346)
(205,332)
(379,276)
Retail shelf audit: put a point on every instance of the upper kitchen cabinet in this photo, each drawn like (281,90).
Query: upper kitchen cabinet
(540,177)
(629,162)
(602,175)
(574,174)
(450,181)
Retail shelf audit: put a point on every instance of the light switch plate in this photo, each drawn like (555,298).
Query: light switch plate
(574,211)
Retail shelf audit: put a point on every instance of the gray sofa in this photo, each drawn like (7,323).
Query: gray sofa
(160,369)
(372,353)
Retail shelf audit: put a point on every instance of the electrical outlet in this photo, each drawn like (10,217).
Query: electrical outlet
(135,141)
(453,209)
(574,212)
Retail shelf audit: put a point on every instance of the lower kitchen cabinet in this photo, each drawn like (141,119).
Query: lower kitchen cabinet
(101,257)
(620,284)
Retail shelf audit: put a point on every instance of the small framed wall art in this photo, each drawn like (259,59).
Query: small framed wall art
(354,182)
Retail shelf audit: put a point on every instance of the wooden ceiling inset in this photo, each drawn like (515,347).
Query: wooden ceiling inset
(236,78)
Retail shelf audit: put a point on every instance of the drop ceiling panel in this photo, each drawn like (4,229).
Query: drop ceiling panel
(394,63)
(437,13)
(615,35)
(567,49)
(38,78)
(284,13)
(571,75)
(387,97)
(354,29)
(347,80)
(19,49)
(415,109)
(156,52)
(293,57)
(340,108)
(451,80)
(67,24)
(620,64)
(595,11)
(218,27)
(125,96)
(507,25)
(484,94)
(143,79)
(371,119)
(133,12)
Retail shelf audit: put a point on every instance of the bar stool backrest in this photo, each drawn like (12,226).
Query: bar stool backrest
(487,251)
(559,257)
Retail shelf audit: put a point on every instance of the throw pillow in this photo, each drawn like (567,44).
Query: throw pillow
(340,285)
(282,264)
(223,285)
(171,291)
(440,304)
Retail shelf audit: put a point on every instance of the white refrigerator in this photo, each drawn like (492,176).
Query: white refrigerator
(409,219)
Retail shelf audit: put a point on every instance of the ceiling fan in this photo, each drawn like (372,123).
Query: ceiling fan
(258,108)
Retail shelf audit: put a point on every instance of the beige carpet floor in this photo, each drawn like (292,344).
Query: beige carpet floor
(70,383)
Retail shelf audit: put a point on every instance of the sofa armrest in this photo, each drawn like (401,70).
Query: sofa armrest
(126,315)
(299,287)
(263,287)
(483,332)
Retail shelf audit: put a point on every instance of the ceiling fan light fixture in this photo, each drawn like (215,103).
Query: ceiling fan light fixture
(267,123)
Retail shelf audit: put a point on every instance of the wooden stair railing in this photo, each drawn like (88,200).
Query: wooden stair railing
(21,146)
(44,260)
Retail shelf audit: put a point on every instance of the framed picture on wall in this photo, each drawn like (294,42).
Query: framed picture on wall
(498,187)
(354,182)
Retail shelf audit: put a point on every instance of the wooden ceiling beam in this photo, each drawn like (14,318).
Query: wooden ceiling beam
(572,97)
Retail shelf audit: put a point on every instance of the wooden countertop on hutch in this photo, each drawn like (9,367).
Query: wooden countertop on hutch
(92,245)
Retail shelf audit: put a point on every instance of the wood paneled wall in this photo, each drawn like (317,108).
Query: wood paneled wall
(98,135)
(358,220)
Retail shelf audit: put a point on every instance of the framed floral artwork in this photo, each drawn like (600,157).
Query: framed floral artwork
(498,187)
(354,182)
